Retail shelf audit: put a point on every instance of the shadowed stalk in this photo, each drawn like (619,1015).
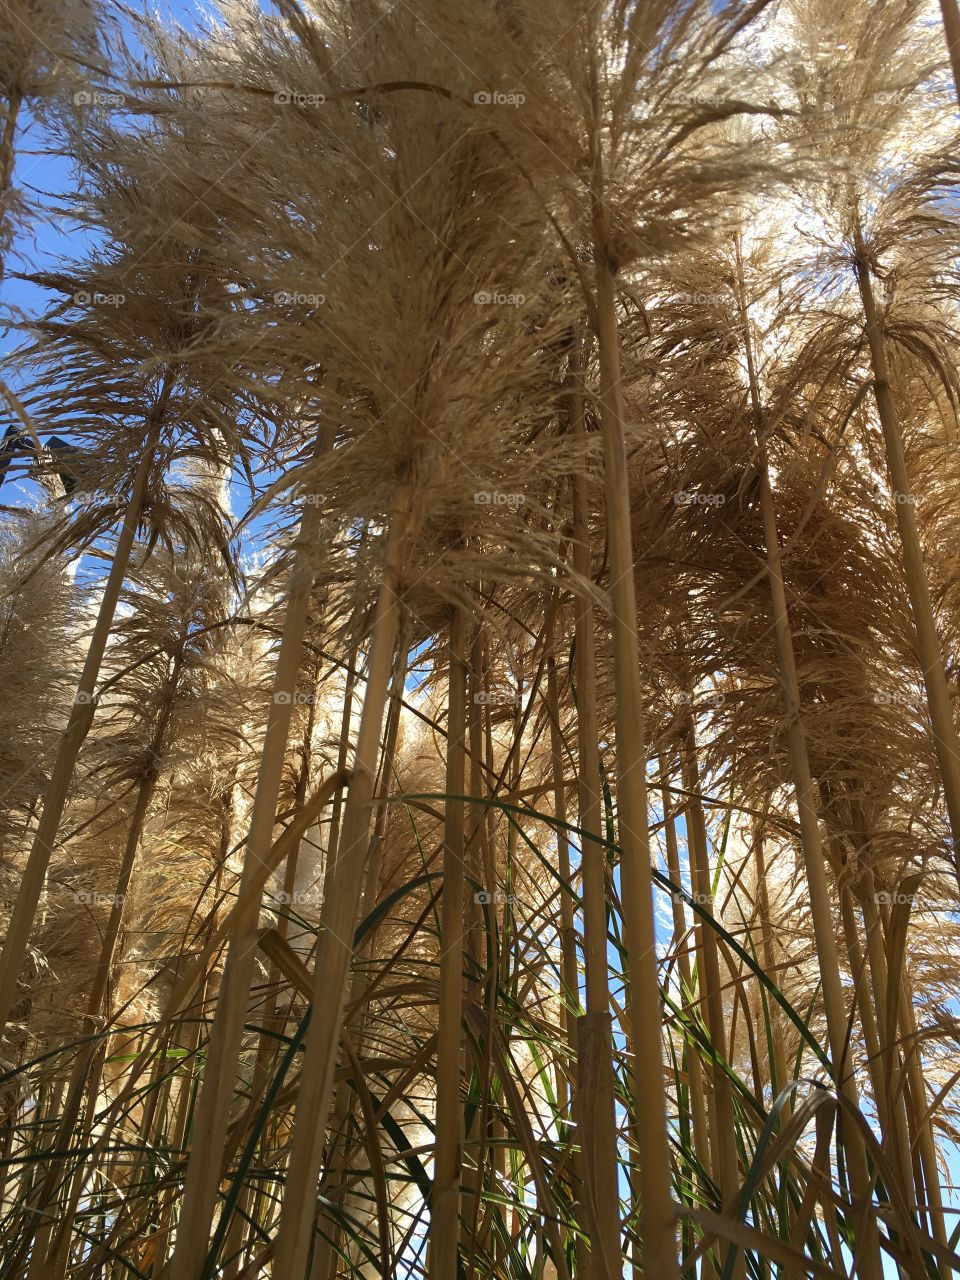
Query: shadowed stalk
(692,1065)
(87,1072)
(724,1142)
(864,1003)
(343,748)
(568,936)
(920,1125)
(325,1257)
(951,27)
(890,1102)
(779,1074)
(8,133)
(566,1097)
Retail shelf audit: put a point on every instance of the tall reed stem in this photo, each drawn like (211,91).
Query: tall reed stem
(658,1227)
(951,27)
(833,1001)
(723,1130)
(595,1030)
(226,1034)
(691,1059)
(87,1071)
(929,649)
(338,922)
(445,1197)
(811,848)
(8,134)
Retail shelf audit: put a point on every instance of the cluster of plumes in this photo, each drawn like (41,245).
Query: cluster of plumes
(342,271)
(48,57)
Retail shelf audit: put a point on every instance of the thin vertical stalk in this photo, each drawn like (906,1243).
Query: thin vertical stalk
(929,648)
(921,1125)
(371,884)
(889,1067)
(568,935)
(87,1071)
(226,1034)
(250,1204)
(951,27)
(778,1066)
(78,726)
(691,1059)
(864,1003)
(343,748)
(324,1265)
(595,1029)
(8,135)
(497,939)
(445,1197)
(657,1217)
(814,866)
(724,1135)
(339,922)
(511,954)
(482,870)
(810,845)
(477,849)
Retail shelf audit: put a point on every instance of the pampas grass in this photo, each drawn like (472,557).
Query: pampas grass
(504,826)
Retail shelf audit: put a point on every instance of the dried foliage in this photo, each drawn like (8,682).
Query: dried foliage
(487,480)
